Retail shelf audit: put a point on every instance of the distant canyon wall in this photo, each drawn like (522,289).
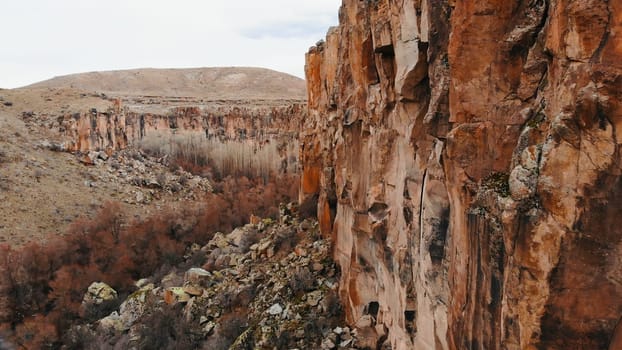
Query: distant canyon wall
(119,127)
(465,156)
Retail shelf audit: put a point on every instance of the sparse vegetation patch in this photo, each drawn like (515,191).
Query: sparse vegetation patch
(43,283)
(498,182)
(219,159)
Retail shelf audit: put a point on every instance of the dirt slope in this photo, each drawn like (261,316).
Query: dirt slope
(42,191)
(210,83)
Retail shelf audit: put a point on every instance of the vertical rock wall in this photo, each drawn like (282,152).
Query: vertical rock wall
(119,127)
(465,159)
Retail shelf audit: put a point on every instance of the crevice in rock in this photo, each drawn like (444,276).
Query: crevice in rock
(605,37)
(388,257)
(372,309)
(378,211)
(410,315)
(369,61)
(93,120)
(387,51)
(439,236)
(414,86)
(408,215)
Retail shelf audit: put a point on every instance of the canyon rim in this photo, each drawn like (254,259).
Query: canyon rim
(460,188)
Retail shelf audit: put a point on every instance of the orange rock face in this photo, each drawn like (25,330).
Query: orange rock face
(466,160)
(119,127)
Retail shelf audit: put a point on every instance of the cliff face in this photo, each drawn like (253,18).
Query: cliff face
(465,158)
(119,126)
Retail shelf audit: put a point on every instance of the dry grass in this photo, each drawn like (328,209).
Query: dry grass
(219,159)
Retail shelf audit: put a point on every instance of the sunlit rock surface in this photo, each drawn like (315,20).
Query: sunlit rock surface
(465,160)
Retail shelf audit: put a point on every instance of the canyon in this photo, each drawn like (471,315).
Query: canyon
(96,194)
(223,103)
(465,159)
(50,130)
(462,159)
(120,126)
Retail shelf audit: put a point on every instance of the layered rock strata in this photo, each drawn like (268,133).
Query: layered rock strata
(118,127)
(465,159)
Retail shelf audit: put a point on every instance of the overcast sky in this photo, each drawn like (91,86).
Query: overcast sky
(45,38)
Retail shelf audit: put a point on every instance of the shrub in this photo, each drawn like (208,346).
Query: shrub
(286,239)
(166,328)
(498,182)
(333,305)
(308,207)
(244,297)
(231,326)
(97,312)
(78,338)
(301,281)
(36,333)
(42,285)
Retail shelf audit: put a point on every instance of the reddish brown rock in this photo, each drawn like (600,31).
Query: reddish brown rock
(118,127)
(465,157)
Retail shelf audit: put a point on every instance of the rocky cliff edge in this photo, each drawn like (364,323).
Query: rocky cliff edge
(465,159)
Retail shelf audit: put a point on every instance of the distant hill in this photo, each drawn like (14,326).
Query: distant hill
(208,83)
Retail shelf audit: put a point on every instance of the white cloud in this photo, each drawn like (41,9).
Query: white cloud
(43,38)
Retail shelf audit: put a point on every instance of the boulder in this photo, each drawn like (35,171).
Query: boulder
(174,295)
(111,323)
(134,306)
(197,277)
(275,309)
(99,292)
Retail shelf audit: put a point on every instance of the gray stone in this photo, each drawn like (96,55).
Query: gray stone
(140,197)
(111,323)
(522,183)
(134,306)
(197,276)
(275,309)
